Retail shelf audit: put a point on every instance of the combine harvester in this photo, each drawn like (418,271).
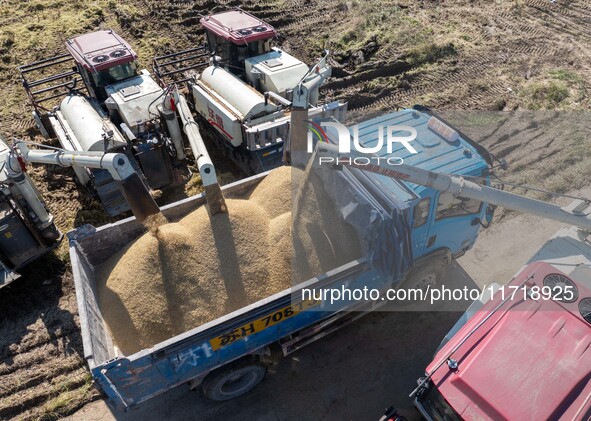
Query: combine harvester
(106,104)
(119,132)
(27,230)
(413,221)
(26,226)
(244,95)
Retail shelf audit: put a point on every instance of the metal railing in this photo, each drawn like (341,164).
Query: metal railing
(50,78)
(175,67)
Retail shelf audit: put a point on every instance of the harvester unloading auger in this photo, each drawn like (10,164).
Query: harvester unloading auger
(578,213)
(213,192)
(138,196)
(28,226)
(133,188)
(295,149)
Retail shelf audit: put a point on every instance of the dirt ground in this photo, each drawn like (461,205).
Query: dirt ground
(514,75)
(354,375)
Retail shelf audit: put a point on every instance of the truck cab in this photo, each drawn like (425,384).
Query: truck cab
(525,357)
(442,225)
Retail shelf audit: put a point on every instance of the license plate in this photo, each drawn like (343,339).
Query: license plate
(261,324)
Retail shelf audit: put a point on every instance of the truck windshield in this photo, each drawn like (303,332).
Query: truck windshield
(115,74)
(437,407)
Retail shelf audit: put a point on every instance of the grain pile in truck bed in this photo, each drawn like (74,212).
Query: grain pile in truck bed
(181,275)
(274,192)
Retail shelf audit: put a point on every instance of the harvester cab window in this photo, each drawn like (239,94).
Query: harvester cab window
(219,46)
(114,74)
(450,205)
(258,48)
(228,53)
(233,55)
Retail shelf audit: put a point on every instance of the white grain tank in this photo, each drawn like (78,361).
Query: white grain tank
(89,124)
(243,98)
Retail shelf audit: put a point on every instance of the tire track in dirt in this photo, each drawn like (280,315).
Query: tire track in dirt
(43,347)
(352,87)
(505,21)
(478,98)
(469,72)
(581,7)
(33,375)
(568,10)
(563,22)
(41,354)
(461,77)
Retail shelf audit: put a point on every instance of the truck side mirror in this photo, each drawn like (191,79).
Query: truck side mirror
(490,212)
(488,216)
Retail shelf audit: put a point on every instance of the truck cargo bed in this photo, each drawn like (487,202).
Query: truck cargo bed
(190,356)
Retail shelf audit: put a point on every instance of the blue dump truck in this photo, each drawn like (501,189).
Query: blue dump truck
(409,234)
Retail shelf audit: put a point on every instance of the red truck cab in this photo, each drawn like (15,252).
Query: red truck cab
(525,355)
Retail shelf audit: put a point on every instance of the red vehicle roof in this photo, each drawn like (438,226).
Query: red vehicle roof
(238,26)
(100,50)
(532,362)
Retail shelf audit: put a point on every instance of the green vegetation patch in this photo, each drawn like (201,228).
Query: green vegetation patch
(558,89)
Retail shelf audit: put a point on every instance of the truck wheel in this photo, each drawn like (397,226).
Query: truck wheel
(428,275)
(233,381)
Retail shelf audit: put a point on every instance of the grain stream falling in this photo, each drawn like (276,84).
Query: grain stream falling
(180,275)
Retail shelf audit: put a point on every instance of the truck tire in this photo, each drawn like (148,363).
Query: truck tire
(233,380)
(428,274)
